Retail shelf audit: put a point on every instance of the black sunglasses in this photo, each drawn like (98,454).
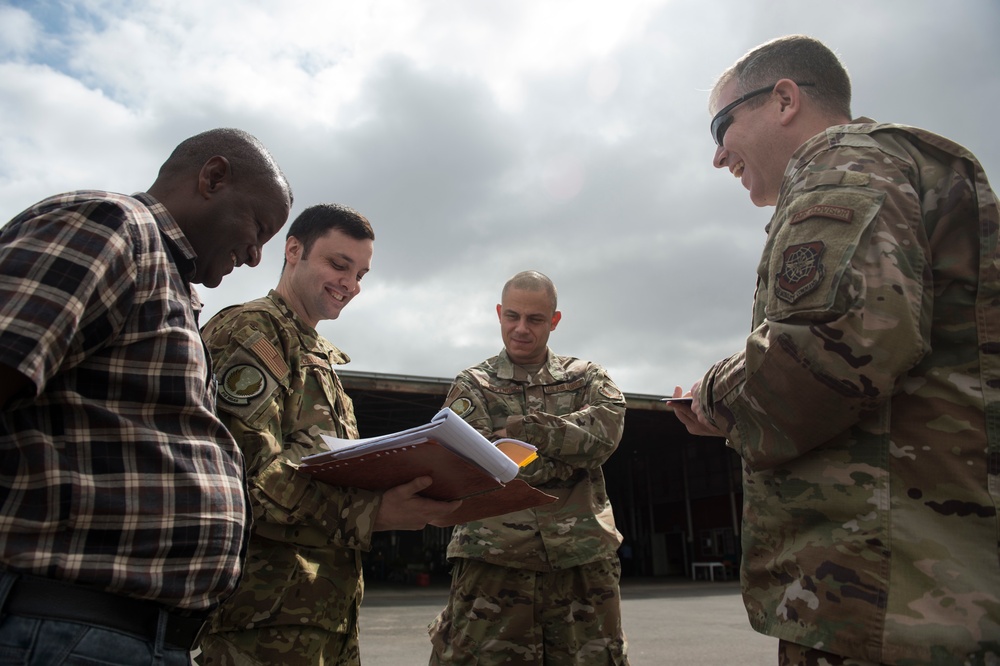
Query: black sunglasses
(723,119)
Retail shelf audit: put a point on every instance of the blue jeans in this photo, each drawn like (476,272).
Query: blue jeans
(45,642)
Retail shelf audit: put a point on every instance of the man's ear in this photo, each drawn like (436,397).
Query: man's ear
(556,317)
(214,175)
(790,99)
(293,250)
(499,310)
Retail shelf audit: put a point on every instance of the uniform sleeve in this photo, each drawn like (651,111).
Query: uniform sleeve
(845,288)
(583,439)
(255,396)
(467,400)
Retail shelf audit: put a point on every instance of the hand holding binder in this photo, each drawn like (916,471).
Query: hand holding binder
(463,463)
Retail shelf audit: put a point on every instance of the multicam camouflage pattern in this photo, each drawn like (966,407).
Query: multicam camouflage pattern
(572,411)
(288,646)
(866,404)
(577,618)
(790,654)
(278,394)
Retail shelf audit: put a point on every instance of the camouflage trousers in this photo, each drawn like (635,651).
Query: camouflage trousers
(790,654)
(279,646)
(498,615)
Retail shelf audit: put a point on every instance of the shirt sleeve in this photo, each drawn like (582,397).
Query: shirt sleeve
(843,310)
(67,278)
(467,400)
(287,504)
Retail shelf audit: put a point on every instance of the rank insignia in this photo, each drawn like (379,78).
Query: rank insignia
(462,406)
(241,384)
(838,213)
(801,271)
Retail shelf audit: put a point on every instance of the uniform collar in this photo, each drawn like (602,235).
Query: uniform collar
(307,332)
(550,373)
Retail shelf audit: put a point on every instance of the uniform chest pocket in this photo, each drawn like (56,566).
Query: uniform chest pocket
(564,398)
(331,399)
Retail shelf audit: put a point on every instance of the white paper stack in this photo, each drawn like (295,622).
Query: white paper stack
(446,428)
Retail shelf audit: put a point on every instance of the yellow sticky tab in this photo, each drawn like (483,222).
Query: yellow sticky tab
(518,451)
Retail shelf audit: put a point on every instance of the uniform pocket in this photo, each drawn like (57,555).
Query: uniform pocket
(811,250)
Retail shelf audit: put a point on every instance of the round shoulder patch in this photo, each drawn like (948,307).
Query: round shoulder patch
(463,407)
(241,384)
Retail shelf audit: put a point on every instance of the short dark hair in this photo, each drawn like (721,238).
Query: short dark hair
(796,57)
(314,223)
(533,281)
(247,156)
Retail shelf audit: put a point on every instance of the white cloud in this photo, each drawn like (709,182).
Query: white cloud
(55,134)
(480,138)
(18,32)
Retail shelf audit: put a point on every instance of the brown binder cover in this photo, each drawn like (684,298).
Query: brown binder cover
(454,478)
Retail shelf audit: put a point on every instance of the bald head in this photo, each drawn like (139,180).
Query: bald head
(532,281)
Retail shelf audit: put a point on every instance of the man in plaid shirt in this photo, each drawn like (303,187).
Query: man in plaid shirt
(123,514)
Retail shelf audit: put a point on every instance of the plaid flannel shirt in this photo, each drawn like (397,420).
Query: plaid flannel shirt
(115,471)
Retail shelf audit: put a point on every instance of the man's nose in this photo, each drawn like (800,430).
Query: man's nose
(353,285)
(719,161)
(253,257)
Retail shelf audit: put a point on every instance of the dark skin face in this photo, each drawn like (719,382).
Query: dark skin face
(226,221)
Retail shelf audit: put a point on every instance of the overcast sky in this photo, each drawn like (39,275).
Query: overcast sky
(481,138)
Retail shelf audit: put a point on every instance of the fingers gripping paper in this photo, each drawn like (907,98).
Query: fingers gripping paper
(463,463)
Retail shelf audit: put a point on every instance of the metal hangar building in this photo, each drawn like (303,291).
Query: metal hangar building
(677,498)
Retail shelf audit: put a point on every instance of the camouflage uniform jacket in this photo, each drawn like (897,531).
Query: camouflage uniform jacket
(572,411)
(866,404)
(278,393)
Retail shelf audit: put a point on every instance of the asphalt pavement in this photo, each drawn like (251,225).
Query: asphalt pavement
(667,621)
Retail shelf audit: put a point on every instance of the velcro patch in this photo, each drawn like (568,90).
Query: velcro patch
(314,360)
(568,386)
(610,391)
(270,357)
(241,383)
(504,390)
(839,213)
(462,406)
(246,387)
(801,271)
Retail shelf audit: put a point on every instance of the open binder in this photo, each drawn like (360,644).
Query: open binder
(463,463)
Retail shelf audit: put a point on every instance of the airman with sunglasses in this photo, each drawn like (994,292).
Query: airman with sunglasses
(865,403)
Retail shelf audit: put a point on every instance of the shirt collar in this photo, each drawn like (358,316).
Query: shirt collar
(181,249)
